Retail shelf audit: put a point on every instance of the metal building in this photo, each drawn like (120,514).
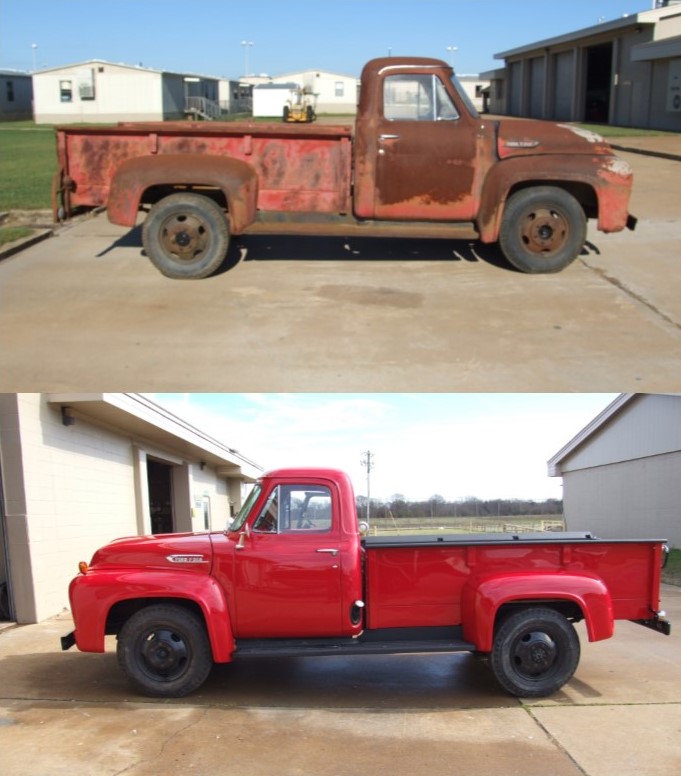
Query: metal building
(16,95)
(625,72)
(621,473)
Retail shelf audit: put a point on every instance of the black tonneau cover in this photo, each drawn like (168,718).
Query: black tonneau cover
(539,537)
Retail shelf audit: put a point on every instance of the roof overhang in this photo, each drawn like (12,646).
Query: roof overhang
(667,48)
(555,463)
(560,41)
(146,422)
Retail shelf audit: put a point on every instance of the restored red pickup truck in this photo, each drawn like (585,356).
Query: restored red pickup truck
(292,575)
(420,163)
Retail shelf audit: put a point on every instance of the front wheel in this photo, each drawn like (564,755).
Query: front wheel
(543,229)
(164,651)
(186,236)
(535,652)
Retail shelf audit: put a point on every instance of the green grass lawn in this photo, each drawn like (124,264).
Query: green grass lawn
(28,159)
(9,234)
(606,130)
(672,571)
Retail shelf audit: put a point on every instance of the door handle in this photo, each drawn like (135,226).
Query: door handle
(388,137)
(329,550)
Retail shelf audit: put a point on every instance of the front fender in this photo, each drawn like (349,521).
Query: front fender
(483,597)
(93,595)
(608,176)
(236,179)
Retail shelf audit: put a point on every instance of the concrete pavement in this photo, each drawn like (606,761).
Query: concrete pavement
(72,713)
(87,311)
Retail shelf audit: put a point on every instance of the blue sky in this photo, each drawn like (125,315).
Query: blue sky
(454,445)
(204,36)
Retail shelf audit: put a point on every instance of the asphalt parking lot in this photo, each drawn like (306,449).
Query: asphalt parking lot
(72,713)
(85,310)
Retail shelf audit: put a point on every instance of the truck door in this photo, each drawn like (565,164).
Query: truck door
(288,571)
(426,152)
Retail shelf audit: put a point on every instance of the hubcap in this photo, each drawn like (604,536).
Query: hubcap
(184,236)
(165,653)
(535,653)
(544,230)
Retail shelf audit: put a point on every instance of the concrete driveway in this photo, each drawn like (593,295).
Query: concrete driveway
(72,713)
(86,310)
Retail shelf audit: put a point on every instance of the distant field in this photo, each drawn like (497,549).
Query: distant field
(28,160)
(467,525)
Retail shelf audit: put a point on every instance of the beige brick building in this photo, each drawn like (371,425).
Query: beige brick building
(78,470)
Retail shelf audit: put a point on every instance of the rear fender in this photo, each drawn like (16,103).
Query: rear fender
(482,598)
(94,594)
(609,177)
(236,179)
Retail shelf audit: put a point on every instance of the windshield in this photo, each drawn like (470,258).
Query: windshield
(245,510)
(464,97)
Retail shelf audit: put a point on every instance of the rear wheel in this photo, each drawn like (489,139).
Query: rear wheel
(164,651)
(543,229)
(186,236)
(535,652)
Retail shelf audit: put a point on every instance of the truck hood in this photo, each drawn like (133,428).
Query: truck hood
(524,137)
(186,552)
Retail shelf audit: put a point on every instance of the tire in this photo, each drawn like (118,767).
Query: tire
(535,652)
(186,236)
(164,651)
(543,229)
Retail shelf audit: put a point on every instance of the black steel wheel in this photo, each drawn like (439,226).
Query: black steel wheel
(535,652)
(186,236)
(164,651)
(543,229)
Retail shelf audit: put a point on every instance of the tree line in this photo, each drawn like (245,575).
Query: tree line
(397,506)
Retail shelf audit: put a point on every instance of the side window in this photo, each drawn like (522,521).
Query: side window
(417,98)
(66,91)
(268,520)
(296,509)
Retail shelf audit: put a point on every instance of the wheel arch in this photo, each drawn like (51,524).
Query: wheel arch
(98,611)
(232,183)
(574,175)
(486,603)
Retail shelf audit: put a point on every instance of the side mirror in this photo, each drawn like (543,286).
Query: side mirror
(242,538)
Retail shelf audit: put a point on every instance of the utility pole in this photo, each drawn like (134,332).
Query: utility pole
(368,462)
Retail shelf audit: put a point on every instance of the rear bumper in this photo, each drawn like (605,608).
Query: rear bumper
(68,641)
(656,623)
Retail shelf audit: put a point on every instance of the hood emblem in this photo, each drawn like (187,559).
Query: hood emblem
(186,559)
(521,143)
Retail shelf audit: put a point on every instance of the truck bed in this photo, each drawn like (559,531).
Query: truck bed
(299,167)
(422,578)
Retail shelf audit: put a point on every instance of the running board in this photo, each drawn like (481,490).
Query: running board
(391,641)
(330,225)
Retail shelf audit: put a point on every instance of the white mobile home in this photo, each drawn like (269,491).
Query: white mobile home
(98,92)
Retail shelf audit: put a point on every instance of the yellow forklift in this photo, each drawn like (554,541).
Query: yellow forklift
(300,108)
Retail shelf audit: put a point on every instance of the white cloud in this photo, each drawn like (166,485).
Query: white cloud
(456,445)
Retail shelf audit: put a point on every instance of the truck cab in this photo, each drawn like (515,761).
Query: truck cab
(294,552)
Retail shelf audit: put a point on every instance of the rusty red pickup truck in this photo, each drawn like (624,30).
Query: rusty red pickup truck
(420,162)
(293,575)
